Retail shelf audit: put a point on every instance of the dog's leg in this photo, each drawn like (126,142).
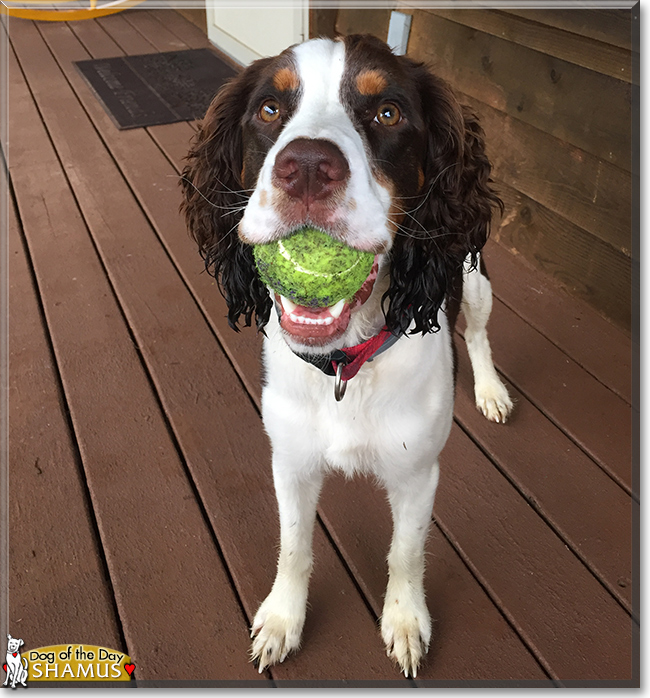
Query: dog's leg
(405,621)
(278,623)
(491,396)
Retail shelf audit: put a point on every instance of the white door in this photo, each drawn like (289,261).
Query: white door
(250,33)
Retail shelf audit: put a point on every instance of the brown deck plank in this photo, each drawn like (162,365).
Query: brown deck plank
(593,342)
(57,577)
(597,419)
(564,613)
(163,207)
(161,202)
(156,32)
(130,41)
(216,426)
(583,504)
(471,640)
(173,140)
(96,33)
(181,27)
(114,36)
(129,458)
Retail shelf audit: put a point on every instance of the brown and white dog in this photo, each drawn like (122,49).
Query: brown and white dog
(374,150)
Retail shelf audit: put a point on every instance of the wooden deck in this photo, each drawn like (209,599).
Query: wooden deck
(142,514)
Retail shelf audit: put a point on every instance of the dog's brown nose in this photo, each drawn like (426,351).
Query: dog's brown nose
(310,169)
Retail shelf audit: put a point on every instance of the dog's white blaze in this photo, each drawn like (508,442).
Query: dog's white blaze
(321,114)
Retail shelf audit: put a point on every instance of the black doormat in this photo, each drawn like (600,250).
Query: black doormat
(156,88)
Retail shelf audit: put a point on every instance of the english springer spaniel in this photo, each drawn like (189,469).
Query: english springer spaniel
(373,149)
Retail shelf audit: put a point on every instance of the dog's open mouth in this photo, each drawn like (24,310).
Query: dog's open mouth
(317,326)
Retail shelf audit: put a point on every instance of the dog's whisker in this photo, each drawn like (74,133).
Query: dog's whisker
(229,207)
(232,211)
(226,189)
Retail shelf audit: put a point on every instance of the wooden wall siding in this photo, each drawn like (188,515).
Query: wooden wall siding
(322,22)
(589,192)
(592,269)
(582,50)
(583,107)
(609,26)
(353,21)
(553,91)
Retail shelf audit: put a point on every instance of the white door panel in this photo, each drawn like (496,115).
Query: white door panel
(255,32)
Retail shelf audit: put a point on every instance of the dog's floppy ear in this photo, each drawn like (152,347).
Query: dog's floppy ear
(20,643)
(452,219)
(214,199)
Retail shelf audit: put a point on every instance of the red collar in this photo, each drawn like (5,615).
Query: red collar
(366,351)
(352,358)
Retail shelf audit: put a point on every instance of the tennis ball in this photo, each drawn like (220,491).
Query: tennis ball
(312,269)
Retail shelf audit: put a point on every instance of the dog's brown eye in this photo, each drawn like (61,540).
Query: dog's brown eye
(388,115)
(270,111)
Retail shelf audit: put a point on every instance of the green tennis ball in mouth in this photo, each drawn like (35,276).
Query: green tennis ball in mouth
(312,269)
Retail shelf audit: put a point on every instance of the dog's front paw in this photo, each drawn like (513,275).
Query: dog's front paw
(276,631)
(406,631)
(493,401)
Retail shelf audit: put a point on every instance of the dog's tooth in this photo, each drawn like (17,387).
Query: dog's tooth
(337,309)
(287,304)
(304,320)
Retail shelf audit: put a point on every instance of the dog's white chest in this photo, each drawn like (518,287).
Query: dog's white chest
(348,430)
(395,411)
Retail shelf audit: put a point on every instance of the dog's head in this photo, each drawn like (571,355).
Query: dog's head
(349,138)
(13,644)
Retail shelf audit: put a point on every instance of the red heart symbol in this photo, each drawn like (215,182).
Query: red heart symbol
(129,668)
(15,653)
(4,666)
